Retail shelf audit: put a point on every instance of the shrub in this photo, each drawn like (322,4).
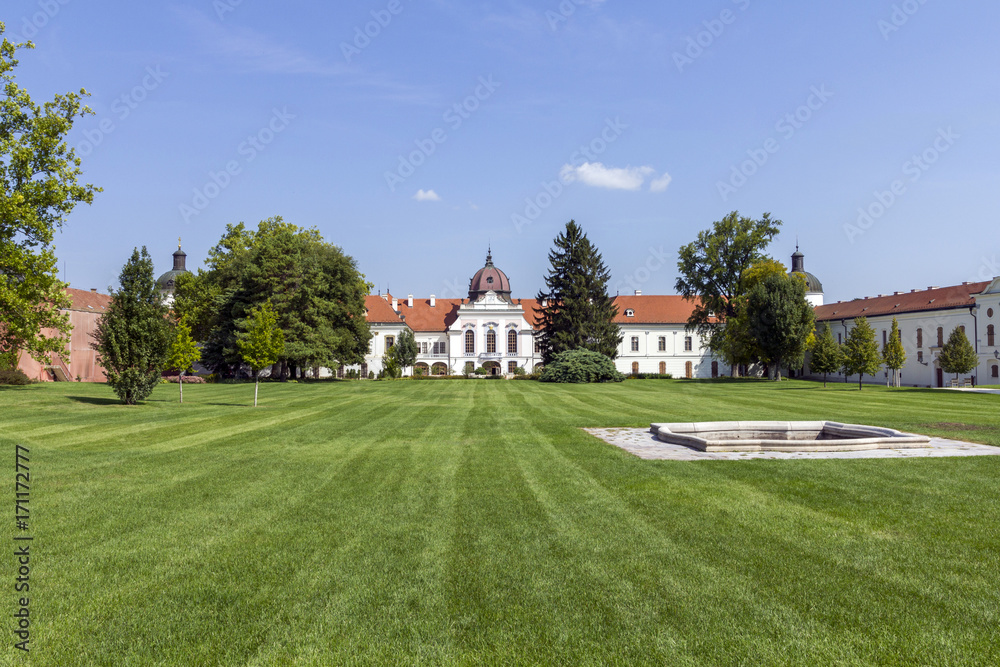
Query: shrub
(650,376)
(519,371)
(480,371)
(528,376)
(14,377)
(371,375)
(188,379)
(578,366)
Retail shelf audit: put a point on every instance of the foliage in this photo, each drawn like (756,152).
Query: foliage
(390,365)
(715,272)
(957,355)
(481,371)
(519,370)
(827,356)
(183,352)
(861,355)
(649,376)
(133,335)
(14,377)
(316,292)
(579,366)
(893,353)
(780,320)
(404,351)
(260,341)
(38,190)
(579,313)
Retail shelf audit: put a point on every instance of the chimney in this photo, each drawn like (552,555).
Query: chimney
(94,290)
(409,301)
(395,305)
(385,297)
(638,292)
(433,301)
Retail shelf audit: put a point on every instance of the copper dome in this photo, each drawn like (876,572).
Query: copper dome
(489,279)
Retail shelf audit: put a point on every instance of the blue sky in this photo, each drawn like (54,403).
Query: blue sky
(415,133)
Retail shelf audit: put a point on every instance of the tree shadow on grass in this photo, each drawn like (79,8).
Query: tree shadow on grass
(90,400)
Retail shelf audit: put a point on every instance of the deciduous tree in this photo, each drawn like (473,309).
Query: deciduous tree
(893,354)
(183,354)
(957,356)
(861,353)
(38,190)
(780,321)
(826,354)
(260,341)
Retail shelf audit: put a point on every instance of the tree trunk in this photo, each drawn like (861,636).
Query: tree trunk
(861,376)
(180,384)
(824,380)
(256,386)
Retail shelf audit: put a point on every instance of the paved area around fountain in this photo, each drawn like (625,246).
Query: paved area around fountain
(642,443)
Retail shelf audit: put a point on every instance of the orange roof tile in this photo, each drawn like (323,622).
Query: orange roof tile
(87,301)
(422,317)
(379,311)
(654,309)
(941,298)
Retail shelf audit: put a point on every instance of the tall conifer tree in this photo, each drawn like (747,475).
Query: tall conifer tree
(133,335)
(578,313)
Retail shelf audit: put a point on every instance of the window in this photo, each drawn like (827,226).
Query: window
(962,327)
(629,313)
(511,367)
(470,368)
(663,344)
(470,342)
(688,343)
(491,342)
(538,347)
(715,369)
(940,333)
(635,343)
(340,372)
(390,341)
(663,368)
(635,368)
(689,370)
(840,339)
(512,342)
(883,337)
(489,281)
(920,338)
(996,371)
(991,334)
(920,356)
(422,348)
(438,349)
(989,313)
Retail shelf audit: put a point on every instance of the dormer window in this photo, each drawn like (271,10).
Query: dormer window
(489,281)
(629,313)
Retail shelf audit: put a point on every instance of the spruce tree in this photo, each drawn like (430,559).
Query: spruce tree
(133,335)
(957,355)
(893,354)
(826,355)
(861,354)
(578,313)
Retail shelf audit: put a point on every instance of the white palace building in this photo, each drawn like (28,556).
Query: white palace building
(493,330)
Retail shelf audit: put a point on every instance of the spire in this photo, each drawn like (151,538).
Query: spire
(489,256)
(180,257)
(798,263)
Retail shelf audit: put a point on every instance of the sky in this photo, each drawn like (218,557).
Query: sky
(416,134)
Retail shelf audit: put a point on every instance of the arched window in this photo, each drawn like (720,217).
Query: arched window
(996,371)
(470,342)
(491,342)
(629,313)
(512,341)
(663,368)
(635,368)
(920,338)
(991,335)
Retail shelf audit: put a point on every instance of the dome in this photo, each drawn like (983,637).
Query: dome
(813,285)
(489,279)
(167,280)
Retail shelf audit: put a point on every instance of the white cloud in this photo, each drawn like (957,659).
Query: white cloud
(597,175)
(426,195)
(661,184)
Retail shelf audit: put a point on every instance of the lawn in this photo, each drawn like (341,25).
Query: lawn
(473,522)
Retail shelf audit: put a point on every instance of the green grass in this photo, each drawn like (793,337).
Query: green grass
(473,522)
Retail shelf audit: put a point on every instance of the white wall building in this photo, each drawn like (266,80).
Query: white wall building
(493,330)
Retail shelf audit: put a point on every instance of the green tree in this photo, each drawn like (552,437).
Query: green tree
(578,313)
(390,365)
(780,321)
(957,356)
(183,354)
(260,341)
(315,289)
(861,353)
(713,274)
(405,350)
(133,336)
(893,354)
(38,190)
(826,354)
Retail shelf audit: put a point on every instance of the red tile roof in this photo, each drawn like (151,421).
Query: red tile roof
(380,311)
(424,318)
(87,301)
(941,298)
(654,309)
